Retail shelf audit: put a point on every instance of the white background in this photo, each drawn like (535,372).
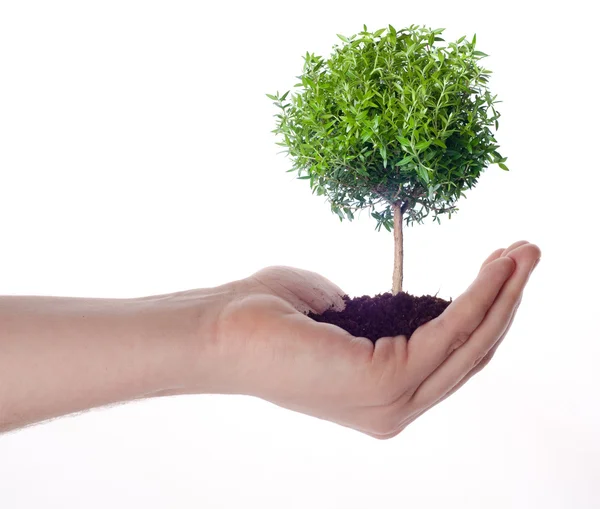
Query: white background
(136,158)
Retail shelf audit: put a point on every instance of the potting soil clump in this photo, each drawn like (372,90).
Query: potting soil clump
(384,315)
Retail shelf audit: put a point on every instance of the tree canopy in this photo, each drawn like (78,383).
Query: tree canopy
(391,117)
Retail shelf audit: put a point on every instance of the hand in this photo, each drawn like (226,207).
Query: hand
(268,348)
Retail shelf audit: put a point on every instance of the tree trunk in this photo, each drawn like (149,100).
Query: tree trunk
(398,250)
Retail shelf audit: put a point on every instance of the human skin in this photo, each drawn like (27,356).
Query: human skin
(61,355)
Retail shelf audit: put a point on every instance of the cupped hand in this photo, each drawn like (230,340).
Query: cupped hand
(269,348)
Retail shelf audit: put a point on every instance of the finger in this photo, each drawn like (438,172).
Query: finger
(433,342)
(317,291)
(514,246)
(502,252)
(484,362)
(303,289)
(410,417)
(495,324)
(488,357)
(494,256)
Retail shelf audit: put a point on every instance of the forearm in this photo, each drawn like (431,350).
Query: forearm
(60,355)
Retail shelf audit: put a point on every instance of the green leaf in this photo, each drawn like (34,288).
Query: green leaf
(423,144)
(423,174)
(411,49)
(439,143)
(345,39)
(503,166)
(480,54)
(274,97)
(404,141)
(406,160)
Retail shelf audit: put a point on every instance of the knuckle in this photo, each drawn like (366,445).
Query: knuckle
(456,331)
(481,361)
(460,338)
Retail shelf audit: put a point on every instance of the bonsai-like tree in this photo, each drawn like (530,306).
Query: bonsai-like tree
(391,123)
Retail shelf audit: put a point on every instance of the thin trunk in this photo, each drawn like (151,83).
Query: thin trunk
(398,250)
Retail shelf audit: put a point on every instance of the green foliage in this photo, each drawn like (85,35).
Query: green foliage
(391,117)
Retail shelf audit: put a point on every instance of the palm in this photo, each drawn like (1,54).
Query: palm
(288,358)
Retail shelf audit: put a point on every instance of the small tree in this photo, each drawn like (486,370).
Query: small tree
(391,123)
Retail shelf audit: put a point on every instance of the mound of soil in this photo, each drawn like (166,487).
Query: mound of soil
(384,315)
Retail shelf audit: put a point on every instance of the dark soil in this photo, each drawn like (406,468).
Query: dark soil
(384,315)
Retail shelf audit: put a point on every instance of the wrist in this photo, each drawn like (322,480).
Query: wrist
(192,355)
